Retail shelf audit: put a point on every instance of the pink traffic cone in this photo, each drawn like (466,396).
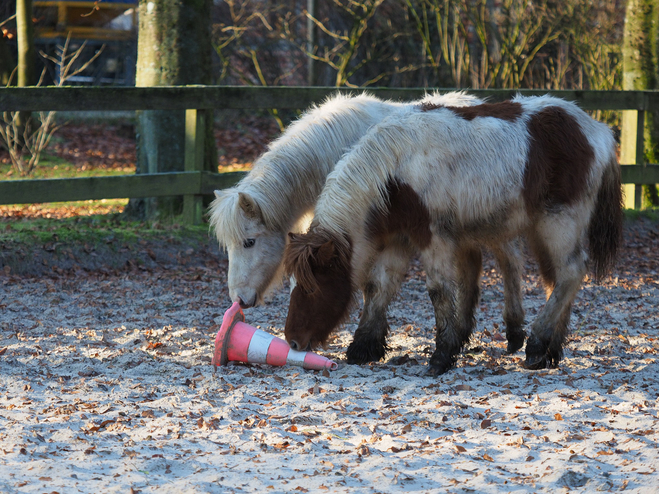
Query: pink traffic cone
(238,341)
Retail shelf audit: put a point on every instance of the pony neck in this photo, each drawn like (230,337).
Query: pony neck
(287,179)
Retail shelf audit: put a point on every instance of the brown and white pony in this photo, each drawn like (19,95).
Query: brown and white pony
(444,181)
(251,220)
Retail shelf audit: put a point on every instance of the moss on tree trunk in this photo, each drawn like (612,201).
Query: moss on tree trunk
(174,48)
(640,52)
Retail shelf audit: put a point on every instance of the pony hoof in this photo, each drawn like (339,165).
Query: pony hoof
(440,364)
(536,362)
(362,354)
(435,370)
(515,343)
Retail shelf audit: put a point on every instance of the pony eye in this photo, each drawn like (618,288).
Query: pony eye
(249,243)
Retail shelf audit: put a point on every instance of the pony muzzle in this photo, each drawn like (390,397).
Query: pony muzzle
(294,345)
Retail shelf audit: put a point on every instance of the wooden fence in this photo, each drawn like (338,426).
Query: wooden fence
(196,100)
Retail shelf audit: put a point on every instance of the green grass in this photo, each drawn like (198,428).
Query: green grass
(651,214)
(51,166)
(94,229)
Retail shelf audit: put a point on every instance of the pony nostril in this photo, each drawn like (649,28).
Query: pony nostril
(294,345)
(248,304)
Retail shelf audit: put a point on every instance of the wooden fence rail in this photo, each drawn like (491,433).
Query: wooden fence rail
(193,182)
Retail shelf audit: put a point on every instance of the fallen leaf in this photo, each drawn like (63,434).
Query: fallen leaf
(558,416)
(486,423)
(487,457)
(460,449)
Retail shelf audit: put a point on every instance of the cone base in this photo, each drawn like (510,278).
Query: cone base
(231,317)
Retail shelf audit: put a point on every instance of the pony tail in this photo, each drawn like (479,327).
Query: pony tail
(605,229)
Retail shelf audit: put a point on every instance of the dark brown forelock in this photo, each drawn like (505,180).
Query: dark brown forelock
(301,252)
(505,110)
(558,161)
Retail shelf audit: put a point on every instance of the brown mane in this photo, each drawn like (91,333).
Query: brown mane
(317,247)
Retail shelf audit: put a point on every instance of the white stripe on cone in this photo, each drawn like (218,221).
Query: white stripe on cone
(257,353)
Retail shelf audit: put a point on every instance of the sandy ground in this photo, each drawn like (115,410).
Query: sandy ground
(106,386)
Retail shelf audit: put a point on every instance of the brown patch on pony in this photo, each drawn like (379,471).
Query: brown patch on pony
(406,214)
(324,292)
(558,161)
(505,110)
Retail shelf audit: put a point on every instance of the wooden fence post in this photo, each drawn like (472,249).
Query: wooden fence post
(195,130)
(632,146)
(640,156)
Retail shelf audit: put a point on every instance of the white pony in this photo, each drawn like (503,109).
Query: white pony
(251,219)
(445,181)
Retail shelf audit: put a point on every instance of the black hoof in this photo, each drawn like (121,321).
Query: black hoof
(362,353)
(536,353)
(440,363)
(515,342)
(536,362)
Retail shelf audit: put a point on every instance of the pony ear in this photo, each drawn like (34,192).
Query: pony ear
(325,252)
(218,194)
(249,206)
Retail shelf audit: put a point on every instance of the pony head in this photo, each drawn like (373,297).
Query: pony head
(255,251)
(322,296)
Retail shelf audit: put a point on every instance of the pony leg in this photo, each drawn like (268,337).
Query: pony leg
(442,264)
(469,267)
(386,275)
(509,258)
(562,262)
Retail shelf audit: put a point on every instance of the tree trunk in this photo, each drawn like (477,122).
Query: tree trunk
(174,48)
(25,39)
(640,72)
